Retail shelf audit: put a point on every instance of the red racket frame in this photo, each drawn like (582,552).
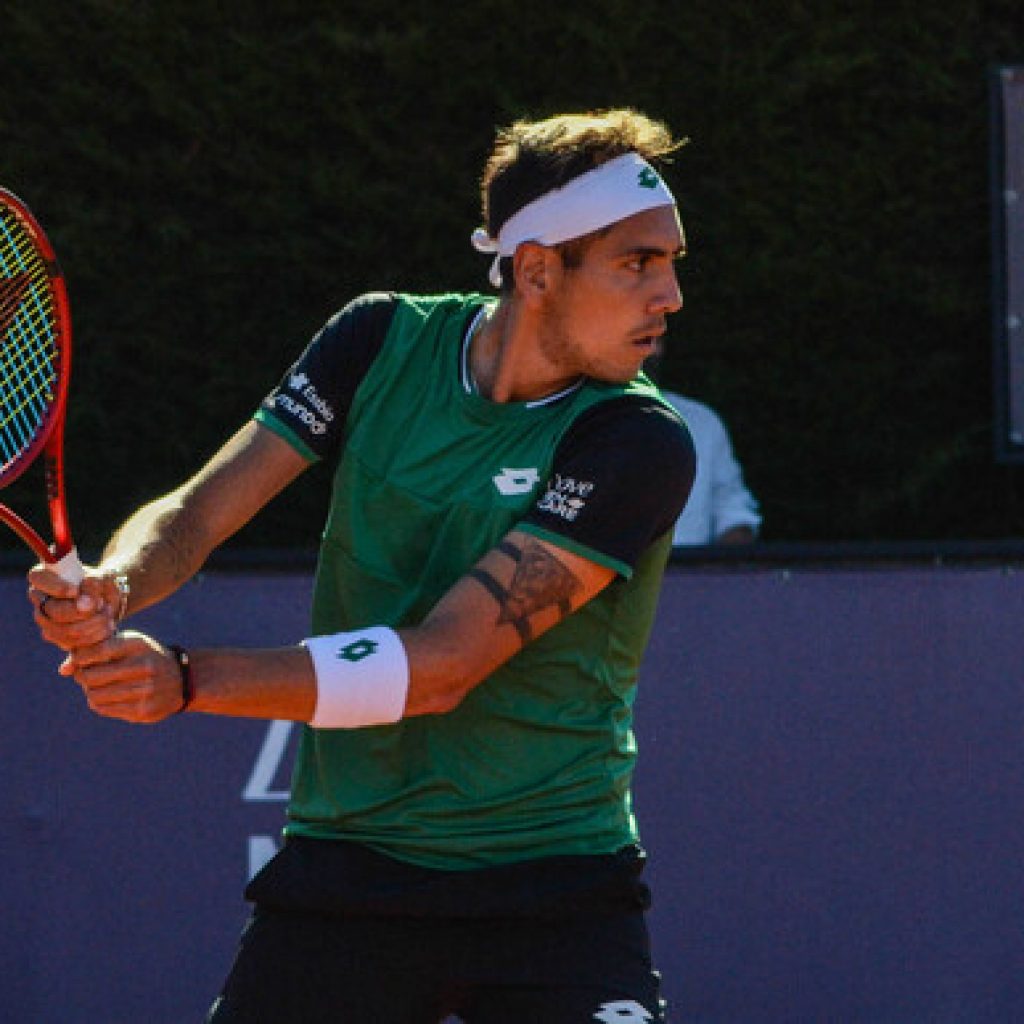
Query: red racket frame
(49,438)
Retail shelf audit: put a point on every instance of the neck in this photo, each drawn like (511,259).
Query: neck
(506,360)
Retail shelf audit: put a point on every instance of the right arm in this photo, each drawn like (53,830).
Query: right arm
(166,542)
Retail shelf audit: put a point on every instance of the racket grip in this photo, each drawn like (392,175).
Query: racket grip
(69,567)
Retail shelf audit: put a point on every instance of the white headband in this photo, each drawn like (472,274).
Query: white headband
(611,192)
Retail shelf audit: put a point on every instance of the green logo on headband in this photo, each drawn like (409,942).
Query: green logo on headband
(648,179)
(357,650)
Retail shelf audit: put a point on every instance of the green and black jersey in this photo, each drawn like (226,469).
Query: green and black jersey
(537,760)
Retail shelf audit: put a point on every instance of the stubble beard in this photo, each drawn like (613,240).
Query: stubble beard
(556,344)
(562,347)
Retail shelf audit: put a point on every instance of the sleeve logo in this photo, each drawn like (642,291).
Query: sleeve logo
(566,497)
(303,386)
(314,412)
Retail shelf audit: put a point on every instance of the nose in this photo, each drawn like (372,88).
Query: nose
(669,296)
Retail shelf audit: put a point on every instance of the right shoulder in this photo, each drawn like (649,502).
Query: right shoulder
(369,314)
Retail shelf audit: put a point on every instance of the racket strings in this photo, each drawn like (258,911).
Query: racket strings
(29,352)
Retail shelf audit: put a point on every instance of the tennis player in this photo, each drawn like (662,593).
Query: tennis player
(460,837)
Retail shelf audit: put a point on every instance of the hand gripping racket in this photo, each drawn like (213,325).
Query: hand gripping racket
(35,362)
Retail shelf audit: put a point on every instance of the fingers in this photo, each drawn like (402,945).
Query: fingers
(136,704)
(44,579)
(70,616)
(115,651)
(128,676)
(103,592)
(71,622)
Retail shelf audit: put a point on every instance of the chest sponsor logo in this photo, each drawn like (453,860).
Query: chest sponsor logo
(516,481)
(566,497)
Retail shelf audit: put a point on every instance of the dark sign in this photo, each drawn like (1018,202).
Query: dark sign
(1007,91)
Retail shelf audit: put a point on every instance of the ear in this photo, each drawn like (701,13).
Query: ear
(536,268)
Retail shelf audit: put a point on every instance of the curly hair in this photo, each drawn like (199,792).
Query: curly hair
(532,158)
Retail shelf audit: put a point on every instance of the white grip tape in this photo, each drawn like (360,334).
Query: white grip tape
(69,568)
(362,678)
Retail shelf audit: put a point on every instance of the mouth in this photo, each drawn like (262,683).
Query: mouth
(649,342)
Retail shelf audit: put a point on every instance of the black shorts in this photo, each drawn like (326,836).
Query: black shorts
(490,954)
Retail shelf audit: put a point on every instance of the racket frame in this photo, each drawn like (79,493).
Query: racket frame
(49,437)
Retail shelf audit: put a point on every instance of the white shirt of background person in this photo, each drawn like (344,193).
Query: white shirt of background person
(721,509)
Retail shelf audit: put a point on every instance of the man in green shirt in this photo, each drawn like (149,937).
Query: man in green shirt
(460,836)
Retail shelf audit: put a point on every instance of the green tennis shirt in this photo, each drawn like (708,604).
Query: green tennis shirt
(537,760)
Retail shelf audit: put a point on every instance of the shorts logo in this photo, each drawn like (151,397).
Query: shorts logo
(566,497)
(357,650)
(623,1011)
(516,481)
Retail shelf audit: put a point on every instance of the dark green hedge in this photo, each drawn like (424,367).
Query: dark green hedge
(219,178)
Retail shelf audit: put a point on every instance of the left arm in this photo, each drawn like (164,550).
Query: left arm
(621,475)
(515,593)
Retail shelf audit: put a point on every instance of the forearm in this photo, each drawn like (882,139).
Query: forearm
(158,548)
(443,670)
(428,678)
(167,541)
(369,676)
(137,678)
(270,683)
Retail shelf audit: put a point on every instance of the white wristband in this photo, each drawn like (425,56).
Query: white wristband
(362,678)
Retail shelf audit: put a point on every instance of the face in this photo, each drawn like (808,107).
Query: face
(604,317)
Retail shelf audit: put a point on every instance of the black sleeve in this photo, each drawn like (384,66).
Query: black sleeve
(311,403)
(620,477)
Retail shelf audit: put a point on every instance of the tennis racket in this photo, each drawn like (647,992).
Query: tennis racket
(35,363)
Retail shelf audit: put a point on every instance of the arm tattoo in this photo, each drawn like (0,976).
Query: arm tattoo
(540,581)
(506,547)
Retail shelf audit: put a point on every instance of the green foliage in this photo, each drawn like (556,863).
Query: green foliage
(219,178)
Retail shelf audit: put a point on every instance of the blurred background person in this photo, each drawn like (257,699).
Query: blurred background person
(721,508)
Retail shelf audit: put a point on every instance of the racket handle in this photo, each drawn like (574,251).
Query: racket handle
(69,568)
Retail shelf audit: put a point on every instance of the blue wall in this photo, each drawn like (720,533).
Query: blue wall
(830,786)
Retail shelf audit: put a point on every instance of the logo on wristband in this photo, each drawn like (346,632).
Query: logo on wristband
(357,650)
